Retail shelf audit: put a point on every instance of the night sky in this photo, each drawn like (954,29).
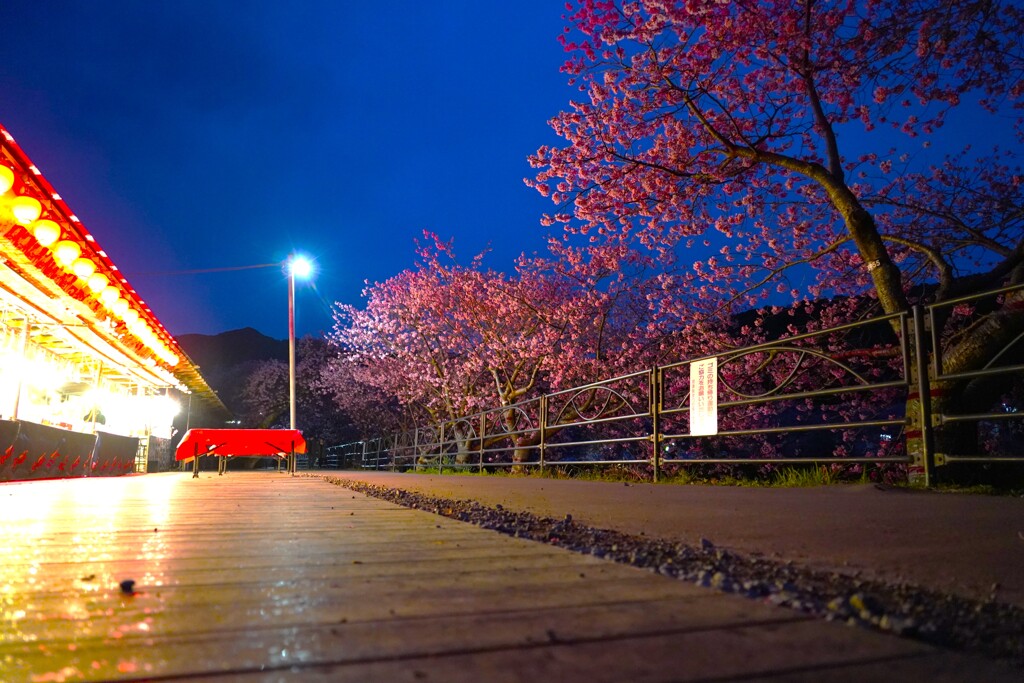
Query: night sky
(197,135)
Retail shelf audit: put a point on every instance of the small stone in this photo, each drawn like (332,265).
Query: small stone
(128,586)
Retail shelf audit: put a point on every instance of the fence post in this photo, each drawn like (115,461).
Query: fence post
(920,441)
(440,450)
(415,449)
(483,432)
(543,426)
(654,391)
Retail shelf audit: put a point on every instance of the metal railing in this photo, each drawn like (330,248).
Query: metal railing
(855,393)
(992,369)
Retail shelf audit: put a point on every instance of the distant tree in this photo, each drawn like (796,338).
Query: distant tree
(265,395)
(727,132)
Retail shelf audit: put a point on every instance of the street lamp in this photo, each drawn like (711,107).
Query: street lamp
(297,267)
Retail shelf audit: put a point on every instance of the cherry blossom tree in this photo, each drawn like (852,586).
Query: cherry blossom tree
(447,340)
(789,150)
(265,395)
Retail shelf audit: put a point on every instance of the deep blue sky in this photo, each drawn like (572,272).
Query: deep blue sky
(201,134)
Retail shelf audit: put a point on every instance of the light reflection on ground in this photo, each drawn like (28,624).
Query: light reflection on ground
(67,545)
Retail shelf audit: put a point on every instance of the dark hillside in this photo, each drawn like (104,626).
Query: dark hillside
(226,359)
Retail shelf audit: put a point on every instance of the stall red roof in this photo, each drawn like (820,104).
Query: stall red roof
(258,442)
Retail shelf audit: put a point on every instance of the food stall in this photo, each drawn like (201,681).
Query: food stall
(90,380)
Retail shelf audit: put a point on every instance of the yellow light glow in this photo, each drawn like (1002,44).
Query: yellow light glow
(119,307)
(46,231)
(6,179)
(65,252)
(172,359)
(97,282)
(83,268)
(109,295)
(25,209)
(131,318)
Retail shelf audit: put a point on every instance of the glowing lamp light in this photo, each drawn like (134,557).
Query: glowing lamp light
(130,318)
(109,295)
(65,252)
(119,307)
(172,359)
(25,209)
(83,268)
(46,231)
(97,282)
(300,267)
(6,179)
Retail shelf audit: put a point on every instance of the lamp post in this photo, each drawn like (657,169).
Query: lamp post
(297,266)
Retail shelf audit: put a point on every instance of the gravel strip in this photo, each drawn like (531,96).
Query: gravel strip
(992,628)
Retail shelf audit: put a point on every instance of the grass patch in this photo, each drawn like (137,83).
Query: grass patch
(757,475)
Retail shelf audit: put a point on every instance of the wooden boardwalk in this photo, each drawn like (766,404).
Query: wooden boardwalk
(264,576)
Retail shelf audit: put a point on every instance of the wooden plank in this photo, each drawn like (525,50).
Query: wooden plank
(237,608)
(247,648)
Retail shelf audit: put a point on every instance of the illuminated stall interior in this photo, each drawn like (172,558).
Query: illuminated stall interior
(79,349)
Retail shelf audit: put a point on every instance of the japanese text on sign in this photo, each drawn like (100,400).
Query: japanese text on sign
(704,397)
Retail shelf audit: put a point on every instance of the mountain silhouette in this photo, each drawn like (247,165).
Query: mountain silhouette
(225,360)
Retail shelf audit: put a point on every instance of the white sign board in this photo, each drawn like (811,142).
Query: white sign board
(704,397)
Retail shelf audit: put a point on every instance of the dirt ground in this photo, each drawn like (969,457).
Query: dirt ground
(964,544)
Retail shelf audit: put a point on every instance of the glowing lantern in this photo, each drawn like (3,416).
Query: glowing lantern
(172,359)
(46,231)
(109,295)
(97,282)
(6,179)
(65,252)
(131,318)
(25,209)
(83,268)
(119,307)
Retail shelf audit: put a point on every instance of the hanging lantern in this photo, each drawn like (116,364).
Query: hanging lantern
(119,307)
(83,268)
(65,252)
(97,282)
(109,295)
(6,179)
(46,231)
(25,209)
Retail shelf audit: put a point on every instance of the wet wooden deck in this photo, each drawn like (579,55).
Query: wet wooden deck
(264,576)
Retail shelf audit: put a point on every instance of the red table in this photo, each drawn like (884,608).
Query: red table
(282,444)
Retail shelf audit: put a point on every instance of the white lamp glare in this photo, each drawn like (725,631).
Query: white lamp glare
(300,267)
